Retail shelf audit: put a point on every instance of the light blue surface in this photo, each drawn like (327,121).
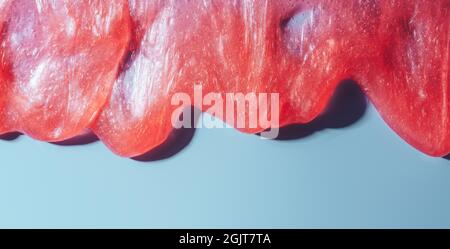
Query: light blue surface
(359,176)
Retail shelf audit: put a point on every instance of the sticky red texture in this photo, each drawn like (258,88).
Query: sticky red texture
(408,81)
(249,46)
(4,72)
(62,58)
(397,51)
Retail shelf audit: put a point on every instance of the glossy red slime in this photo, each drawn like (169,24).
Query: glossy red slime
(68,66)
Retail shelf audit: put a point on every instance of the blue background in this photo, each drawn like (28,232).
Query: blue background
(359,175)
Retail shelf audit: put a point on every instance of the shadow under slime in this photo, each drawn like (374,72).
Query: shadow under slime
(347,105)
(84,139)
(10,136)
(176,142)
